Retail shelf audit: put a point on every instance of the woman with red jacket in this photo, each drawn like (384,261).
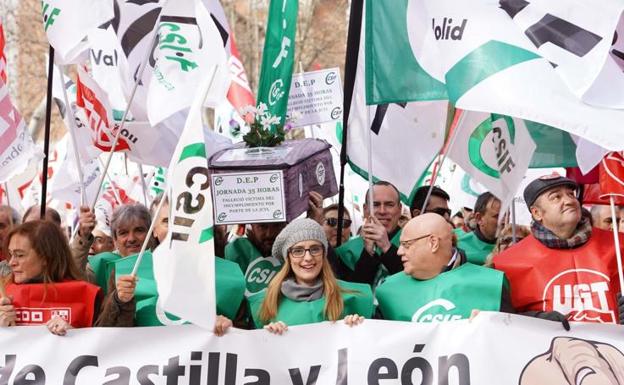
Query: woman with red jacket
(45,286)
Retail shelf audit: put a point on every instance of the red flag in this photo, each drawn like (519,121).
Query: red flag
(3,62)
(239,94)
(94,101)
(576,175)
(612,175)
(36,303)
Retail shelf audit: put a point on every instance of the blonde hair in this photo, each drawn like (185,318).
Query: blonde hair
(332,292)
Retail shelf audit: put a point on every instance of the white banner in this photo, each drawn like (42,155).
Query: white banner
(494,348)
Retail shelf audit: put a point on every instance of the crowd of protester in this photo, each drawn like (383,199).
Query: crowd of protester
(275,275)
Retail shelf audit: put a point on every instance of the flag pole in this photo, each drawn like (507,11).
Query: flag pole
(46,137)
(143,185)
(453,134)
(110,180)
(137,80)
(513,221)
(6,191)
(616,240)
(135,269)
(164,197)
(351,59)
(72,134)
(370,163)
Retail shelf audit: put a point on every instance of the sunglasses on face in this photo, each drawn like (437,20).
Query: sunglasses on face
(333,222)
(440,211)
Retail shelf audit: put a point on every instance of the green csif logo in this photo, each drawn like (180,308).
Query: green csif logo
(504,161)
(174,42)
(49,14)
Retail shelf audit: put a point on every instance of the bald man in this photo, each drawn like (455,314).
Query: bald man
(437,284)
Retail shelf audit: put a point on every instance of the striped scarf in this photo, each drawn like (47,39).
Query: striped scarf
(549,239)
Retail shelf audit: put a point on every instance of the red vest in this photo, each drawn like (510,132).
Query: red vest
(36,303)
(582,282)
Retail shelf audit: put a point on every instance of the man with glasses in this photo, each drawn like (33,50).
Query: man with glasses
(437,284)
(478,244)
(330,225)
(373,255)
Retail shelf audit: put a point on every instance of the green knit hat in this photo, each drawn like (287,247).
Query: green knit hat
(303,229)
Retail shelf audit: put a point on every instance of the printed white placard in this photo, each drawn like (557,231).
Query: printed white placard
(315,97)
(249,197)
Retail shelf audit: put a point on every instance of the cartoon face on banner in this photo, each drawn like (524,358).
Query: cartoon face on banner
(583,293)
(573,361)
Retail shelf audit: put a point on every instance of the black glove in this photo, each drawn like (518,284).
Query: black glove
(620,301)
(550,316)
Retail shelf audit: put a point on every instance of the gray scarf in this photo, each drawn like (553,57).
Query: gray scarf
(296,292)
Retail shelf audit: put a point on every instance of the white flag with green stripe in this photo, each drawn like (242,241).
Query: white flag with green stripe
(495,150)
(184,263)
(537,60)
(189,45)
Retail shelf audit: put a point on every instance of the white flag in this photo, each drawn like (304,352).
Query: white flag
(65,183)
(16,146)
(551,62)
(184,265)
(67,22)
(189,46)
(405,137)
(495,150)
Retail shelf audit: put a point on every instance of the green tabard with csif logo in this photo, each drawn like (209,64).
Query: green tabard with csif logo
(258,270)
(451,295)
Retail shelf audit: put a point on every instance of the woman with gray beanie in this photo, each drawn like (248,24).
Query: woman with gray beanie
(305,290)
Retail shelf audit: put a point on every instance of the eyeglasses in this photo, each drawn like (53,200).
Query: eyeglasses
(407,243)
(440,211)
(299,252)
(333,222)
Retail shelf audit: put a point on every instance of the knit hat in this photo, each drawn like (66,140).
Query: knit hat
(303,229)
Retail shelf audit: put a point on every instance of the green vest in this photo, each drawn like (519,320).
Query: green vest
(102,265)
(229,290)
(351,251)
(450,296)
(459,232)
(357,300)
(258,270)
(475,249)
